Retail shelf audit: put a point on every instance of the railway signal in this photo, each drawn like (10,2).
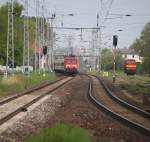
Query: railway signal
(44,50)
(115,41)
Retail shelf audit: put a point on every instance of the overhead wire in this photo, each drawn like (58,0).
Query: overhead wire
(108,11)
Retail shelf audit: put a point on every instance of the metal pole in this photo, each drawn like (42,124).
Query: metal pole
(100,50)
(40,36)
(28,44)
(94,49)
(36,35)
(52,67)
(115,40)
(10,37)
(114,71)
(43,36)
(26,52)
(48,46)
(97,43)
(13,56)
(39,43)
(8,32)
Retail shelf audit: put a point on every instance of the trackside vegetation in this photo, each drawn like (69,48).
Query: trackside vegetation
(18,33)
(62,133)
(20,82)
(142,46)
(137,85)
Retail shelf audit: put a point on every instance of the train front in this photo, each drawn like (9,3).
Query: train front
(130,66)
(71,64)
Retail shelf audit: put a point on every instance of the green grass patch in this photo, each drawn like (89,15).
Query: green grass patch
(1,77)
(136,78)
(93,72)
(20,82)
(136,84)
(36,78)
(62,133)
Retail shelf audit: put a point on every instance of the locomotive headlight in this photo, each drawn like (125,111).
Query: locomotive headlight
(67,66)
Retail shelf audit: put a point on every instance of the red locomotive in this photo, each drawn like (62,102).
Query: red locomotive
(71,64)
(67,64)
(130,66)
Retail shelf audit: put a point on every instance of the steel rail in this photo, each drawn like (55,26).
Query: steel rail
(122,102)
(131,124)
(30,90)
(24,107)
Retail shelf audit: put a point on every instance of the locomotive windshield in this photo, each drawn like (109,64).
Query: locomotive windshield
(71,61)
(130,61)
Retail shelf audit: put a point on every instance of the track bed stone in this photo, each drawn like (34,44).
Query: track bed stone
(71,105)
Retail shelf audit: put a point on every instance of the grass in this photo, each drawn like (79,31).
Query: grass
(93,72)
(138,85)
(62,133)
(19,82)
(1,77)
(136,78)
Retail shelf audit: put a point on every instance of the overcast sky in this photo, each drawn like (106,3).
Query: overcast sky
(85,12)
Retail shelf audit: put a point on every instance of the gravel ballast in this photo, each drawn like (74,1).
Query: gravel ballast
(70,104)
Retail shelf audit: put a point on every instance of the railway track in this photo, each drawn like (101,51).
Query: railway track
(11,107)
(104,99)
(122,102)
(30,90)
(123,89)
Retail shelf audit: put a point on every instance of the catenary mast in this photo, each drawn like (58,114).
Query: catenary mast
(26,55)
(10,37)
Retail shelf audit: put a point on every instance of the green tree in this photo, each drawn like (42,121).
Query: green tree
(3,33)
(142,47)
(108,59)
(18,30)
(18,33)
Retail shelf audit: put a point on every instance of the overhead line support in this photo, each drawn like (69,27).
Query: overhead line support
(26,53)
(10,38)
(76,28)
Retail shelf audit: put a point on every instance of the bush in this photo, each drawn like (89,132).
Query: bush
(62,133)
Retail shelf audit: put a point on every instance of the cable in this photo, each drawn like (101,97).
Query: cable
(107,13)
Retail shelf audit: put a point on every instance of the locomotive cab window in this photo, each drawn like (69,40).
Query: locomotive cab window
(71,61)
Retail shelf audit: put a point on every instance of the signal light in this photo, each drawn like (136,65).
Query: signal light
(44,50)
(115,40)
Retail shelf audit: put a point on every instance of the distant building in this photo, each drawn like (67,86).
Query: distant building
(130,54)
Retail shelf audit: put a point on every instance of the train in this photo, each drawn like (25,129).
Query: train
(69,64)
(130,67)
